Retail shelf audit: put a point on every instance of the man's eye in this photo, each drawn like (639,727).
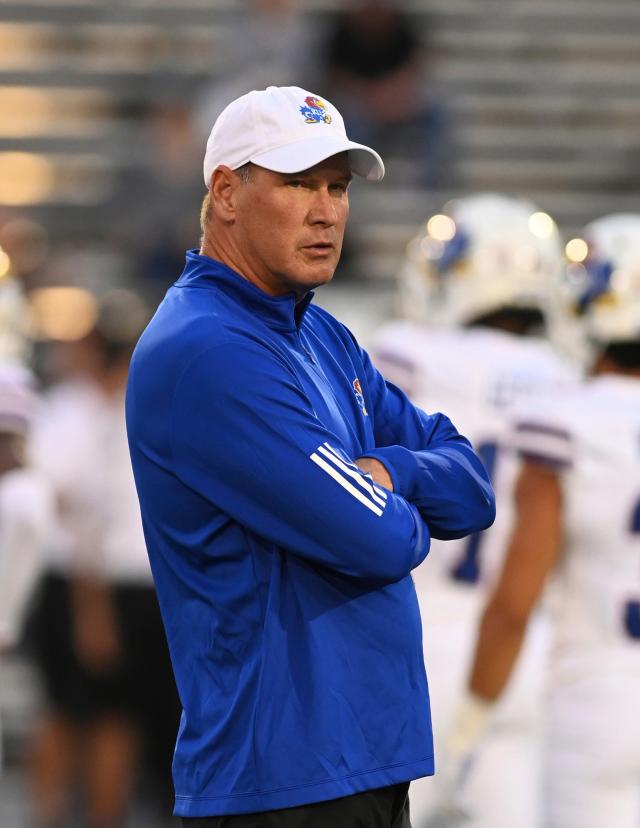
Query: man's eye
(295,183)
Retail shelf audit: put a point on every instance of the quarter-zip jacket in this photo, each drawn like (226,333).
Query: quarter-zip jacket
(283,571)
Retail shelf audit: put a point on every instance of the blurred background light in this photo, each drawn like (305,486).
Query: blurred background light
(441,227)
(577,250)
(30,179)
(63,313)
(38,111)
(542,225)
(25,178)
(24,111)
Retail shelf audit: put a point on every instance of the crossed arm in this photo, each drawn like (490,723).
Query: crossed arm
(377,470)
(271,464)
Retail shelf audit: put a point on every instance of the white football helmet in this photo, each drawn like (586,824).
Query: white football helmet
(600,292)
(483,253)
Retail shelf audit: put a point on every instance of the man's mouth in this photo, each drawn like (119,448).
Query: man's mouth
(320,248)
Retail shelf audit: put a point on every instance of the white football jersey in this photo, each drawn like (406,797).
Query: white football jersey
(477,377)
(593,435)
(26,517)
(592,767)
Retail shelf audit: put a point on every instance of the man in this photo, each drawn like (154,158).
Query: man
(578,516)
(282,565)
(476,289)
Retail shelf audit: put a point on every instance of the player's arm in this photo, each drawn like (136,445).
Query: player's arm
(533,550)
(246,438)
(429,462)
(95,629)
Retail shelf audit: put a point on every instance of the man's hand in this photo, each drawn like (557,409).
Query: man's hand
(377,470)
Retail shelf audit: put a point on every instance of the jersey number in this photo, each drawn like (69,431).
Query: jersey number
(467,569)
(632,608)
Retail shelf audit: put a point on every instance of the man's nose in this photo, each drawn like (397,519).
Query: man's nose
(323,208)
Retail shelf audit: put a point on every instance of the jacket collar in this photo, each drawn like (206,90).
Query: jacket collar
(283,313)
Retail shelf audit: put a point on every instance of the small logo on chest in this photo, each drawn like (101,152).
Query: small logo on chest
(357,390)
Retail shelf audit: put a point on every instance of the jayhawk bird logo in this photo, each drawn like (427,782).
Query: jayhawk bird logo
(315,111)
(357,388)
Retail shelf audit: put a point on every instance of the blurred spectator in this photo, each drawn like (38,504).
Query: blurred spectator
(25,498)
(100,642)
(274,44)
(377,77)
(155,202)
(25,504)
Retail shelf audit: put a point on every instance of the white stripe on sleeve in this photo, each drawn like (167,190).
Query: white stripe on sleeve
(357,476)
(335,474)
(381,492)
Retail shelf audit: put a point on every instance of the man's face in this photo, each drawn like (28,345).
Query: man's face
(289,227)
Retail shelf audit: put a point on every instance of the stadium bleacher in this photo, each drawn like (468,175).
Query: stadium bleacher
(541,95)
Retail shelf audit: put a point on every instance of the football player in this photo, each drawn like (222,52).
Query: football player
(475,289)
(578,517)
(24,499)
(25,504)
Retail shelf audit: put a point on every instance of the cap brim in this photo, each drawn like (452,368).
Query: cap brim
(302,155)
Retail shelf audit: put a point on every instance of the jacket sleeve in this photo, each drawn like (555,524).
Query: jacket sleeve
(430,463)
(246,438)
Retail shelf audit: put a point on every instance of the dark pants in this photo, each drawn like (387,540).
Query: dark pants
(379,808)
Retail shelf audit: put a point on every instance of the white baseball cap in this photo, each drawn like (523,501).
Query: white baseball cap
(285,129)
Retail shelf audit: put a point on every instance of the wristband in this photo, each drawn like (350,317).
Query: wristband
(471,720)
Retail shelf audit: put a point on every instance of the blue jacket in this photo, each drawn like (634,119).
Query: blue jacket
(282,571)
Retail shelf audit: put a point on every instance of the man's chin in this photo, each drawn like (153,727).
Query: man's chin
(326,274)
(316,277)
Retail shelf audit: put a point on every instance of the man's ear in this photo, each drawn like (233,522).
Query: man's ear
(223,186)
